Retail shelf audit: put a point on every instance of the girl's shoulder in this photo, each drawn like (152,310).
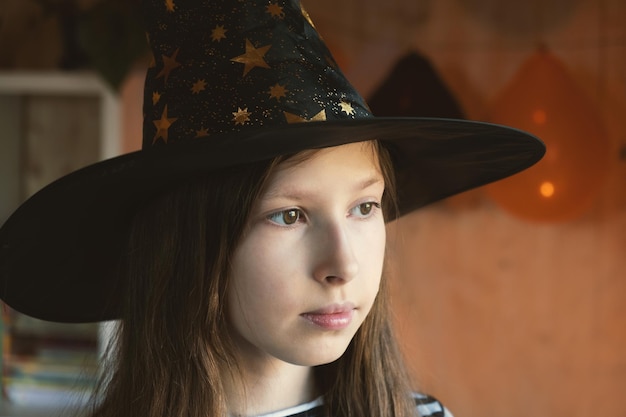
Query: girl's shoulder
(426,405)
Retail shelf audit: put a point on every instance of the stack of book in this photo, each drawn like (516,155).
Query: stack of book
(48,364)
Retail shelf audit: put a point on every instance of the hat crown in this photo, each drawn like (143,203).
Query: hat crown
(228,65)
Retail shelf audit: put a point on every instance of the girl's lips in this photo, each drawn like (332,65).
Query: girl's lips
(332,317)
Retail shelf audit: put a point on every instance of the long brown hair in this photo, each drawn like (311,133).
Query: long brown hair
(172,341)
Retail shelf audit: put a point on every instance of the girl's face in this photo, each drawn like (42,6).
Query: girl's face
(307,270)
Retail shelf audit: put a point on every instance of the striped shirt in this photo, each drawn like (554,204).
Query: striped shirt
(426,406)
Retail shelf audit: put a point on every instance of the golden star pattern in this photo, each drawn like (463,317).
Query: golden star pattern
(218,33)
(294,118)
(169,64)
(202,133)
(346,107)
(156,96)
(221,65)
(240,116)
(163,125)
(275,10)
(277,91)
(198,86)
(253,57)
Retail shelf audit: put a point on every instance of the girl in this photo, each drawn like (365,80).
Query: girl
(265,301)
(242,249)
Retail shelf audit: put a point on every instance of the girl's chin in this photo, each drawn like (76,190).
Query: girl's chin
(318,357)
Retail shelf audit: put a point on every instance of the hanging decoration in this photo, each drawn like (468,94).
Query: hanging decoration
(413,88)
(544,99)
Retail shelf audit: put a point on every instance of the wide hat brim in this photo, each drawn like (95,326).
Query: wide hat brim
(60,249)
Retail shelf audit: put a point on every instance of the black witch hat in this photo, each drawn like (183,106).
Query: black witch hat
(233,82)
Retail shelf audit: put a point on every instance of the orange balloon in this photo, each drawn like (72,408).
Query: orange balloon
(543,99)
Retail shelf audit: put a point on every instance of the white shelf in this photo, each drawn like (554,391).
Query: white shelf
(17,88)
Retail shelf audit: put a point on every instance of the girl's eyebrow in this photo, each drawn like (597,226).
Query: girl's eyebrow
(296,193)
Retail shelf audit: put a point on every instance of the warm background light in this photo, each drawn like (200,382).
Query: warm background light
(547,189)
(543,99)
(539,117)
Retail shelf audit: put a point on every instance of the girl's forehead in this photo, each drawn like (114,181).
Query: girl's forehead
(365,148)
(352,163)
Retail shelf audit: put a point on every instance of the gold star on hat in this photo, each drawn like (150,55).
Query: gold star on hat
(294,118)
(253,57)
(163,125)
(241,116)
(277,91)
(275,10)
(218,33)
(198,86)
(346,107)
(169,64)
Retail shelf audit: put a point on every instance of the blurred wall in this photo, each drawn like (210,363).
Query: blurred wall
(498,316)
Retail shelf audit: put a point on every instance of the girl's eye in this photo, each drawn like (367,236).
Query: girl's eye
(365,209)
(286,217)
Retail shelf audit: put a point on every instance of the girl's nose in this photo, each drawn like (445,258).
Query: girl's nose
(336,262)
